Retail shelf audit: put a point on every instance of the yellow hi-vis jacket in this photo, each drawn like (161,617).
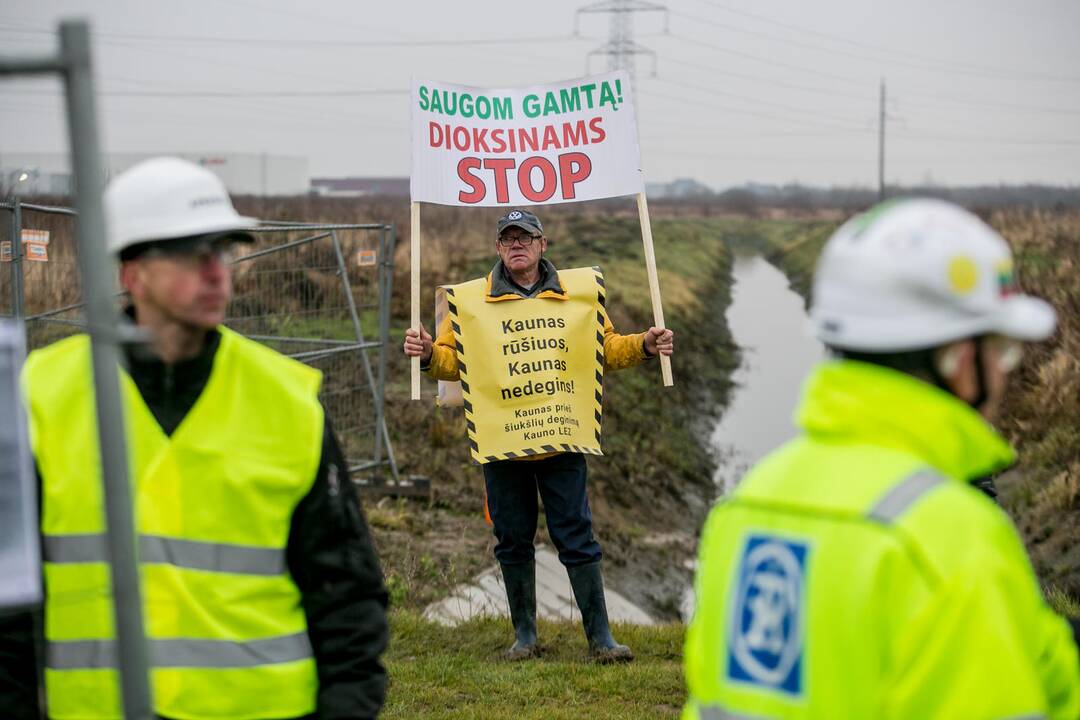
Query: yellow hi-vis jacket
(213,503)
(855,574)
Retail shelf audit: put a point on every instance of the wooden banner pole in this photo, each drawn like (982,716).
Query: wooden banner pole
(414,256)
(654,280)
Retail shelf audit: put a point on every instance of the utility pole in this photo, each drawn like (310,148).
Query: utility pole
(621,50)
(881,144)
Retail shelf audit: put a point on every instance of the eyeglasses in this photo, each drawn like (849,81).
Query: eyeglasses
(525,240)
(193,256)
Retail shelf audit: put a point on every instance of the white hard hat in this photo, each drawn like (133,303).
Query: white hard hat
(916,274)
(167,198)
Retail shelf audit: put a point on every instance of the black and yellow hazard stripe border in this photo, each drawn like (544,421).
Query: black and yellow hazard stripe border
(598,390)
(601,318)
(463,372)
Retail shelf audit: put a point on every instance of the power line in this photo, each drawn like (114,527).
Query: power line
(745,111)
(231,93)
(993,104)
(294,42)
(902,53)
(767,103)
(769,61)
(971,102)
(935,67)
(713,69)
(1043,142)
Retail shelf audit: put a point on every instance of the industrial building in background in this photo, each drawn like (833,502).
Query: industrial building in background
(25,174)
(360,186)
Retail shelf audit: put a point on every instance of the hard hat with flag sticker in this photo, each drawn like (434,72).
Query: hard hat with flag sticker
(916,274)
(169,199)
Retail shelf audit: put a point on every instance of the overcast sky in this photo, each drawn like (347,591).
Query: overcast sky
(979,91)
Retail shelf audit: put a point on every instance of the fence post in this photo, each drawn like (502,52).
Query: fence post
(380,388)
(96,270)
(387,295)
(17,292)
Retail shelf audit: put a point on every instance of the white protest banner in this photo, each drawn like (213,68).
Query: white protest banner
(564,142)
(567,141)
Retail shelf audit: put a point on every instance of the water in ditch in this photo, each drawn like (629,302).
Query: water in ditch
(768,322)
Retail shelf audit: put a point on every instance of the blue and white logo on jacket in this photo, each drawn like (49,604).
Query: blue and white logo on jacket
(765,638)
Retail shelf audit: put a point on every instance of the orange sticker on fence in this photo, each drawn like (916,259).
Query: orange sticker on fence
(37,252)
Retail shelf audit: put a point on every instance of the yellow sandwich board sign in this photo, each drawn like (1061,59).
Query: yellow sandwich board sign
(531,370)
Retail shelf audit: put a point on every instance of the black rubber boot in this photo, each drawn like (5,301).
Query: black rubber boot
(588,584)
(520,581)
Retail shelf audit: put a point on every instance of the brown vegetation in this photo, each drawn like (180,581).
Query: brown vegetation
(1042,416)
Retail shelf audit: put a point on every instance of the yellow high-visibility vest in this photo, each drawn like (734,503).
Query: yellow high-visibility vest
(854,573)
(213,504)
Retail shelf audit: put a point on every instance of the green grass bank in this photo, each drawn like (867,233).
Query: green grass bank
(441,673)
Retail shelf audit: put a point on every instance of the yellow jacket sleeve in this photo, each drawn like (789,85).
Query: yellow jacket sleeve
(444,362)
(622,351)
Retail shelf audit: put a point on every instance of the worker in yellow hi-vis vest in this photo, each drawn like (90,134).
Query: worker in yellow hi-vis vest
(530,344)
(856,572)
(262,593)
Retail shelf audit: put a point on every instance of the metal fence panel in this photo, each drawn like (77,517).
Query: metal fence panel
(307,290)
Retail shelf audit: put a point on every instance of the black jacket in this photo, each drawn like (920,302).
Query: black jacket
(330,557)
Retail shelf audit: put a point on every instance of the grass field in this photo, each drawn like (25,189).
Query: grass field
(440,673)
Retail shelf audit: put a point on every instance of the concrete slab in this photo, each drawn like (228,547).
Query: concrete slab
(485,595)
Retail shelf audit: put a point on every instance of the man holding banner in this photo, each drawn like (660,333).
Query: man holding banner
(529,345)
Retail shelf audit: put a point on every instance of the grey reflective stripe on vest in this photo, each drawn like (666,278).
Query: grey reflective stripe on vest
(903,495)
(715,712)
(89,548)
(154,549)
(216,557)
(182,653)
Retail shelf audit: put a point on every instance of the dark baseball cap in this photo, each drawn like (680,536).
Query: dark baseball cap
(522,219)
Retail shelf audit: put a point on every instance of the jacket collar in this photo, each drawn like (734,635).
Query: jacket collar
(848,401)
(501,285)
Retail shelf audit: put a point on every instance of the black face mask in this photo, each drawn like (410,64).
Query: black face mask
(982,393)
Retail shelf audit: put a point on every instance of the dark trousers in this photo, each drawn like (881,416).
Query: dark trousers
(512,487)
